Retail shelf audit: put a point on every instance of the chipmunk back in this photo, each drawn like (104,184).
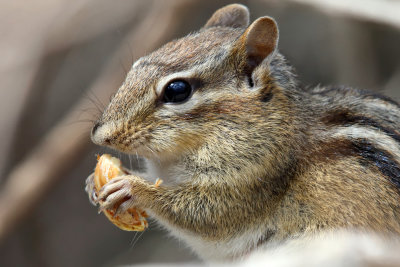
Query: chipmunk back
(250,157)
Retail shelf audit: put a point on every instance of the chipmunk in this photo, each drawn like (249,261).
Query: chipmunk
(249,157)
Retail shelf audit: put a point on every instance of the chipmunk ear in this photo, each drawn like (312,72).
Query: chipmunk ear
(234,16)
(260,41)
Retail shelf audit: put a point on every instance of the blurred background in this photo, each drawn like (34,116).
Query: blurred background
(62,60)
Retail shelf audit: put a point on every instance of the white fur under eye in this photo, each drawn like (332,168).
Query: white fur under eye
(163,82)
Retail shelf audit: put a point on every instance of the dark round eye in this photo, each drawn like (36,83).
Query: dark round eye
(177,91)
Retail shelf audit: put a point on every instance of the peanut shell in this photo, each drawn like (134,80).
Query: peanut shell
(108,168)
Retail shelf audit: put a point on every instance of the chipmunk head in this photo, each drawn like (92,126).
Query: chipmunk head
(201,89)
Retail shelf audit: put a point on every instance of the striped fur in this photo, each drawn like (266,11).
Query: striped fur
(252,158)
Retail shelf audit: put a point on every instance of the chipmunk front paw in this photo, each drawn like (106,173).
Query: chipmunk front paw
(121,194)
(91,190)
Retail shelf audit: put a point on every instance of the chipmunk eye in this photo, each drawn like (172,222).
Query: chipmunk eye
(177,91)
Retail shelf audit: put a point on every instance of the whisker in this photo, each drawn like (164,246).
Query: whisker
(140,235)
(99,102)
(137,159)
(95,101)
(81,121)
(133,239)
(130,162)
(155,155)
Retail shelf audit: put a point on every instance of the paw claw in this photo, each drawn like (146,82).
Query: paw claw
(110,188)
(90,189)
(94,197)
(113,194)
(124,206)
(118,194)
(100,210)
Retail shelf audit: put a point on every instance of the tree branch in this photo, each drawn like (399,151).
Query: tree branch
(378,11)
(68,141)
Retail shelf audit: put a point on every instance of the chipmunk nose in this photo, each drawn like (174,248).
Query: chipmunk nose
(95,127)
(99,136)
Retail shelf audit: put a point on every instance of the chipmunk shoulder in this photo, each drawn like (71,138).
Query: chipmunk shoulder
(253,158)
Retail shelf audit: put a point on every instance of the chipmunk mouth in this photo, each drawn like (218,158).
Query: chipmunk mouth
(128,140)
(142,140)
(135,145)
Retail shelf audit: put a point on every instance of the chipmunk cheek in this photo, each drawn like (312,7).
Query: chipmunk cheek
(175,139)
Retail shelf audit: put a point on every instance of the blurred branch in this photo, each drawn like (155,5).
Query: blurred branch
(352,55)
(379,11)
(66,144)
(392,85)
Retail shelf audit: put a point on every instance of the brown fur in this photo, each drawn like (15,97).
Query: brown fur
(263,158)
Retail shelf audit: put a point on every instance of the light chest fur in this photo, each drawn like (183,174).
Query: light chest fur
(217,250)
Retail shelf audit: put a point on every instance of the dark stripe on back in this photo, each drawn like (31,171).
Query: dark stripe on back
(380,158)
(346,118)
(367,154)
